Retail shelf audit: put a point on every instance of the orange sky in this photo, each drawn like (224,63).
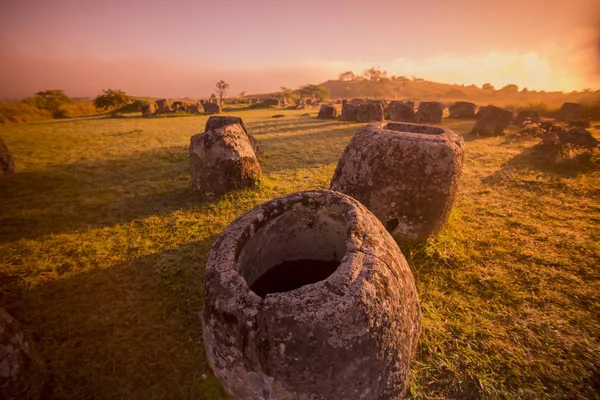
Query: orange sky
(181,48)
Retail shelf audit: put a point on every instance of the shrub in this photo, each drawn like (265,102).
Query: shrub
(15,112)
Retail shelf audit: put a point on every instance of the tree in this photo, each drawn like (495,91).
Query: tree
(321,93)
(488,86)
(50,100)
(347,76)
(289,94)
(222,87)
(111,98)
(510,88)
(377,81)
(242,95)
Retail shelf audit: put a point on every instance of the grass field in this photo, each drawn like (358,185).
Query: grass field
(103,245)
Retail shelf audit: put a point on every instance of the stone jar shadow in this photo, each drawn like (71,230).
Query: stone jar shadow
(406,174)
(314,332)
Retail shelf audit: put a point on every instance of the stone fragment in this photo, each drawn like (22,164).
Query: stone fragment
(327,111)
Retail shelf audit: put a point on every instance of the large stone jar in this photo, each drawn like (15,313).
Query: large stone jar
(308,297)
(406,174)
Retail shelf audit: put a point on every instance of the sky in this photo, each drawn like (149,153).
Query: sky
(179,48)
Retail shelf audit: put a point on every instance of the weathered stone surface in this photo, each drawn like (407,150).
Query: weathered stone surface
(211,108)
(406,174)
(570,112)
(348,336)
(216,122)
(492,120)
(162,106)
(22,371)
(327,111)
(430,112)
(147,109)
(401,111)
(577,137)
(370,112)
(7,164)
(272,102)
(462,109)
(349,111)
(527,116)
(222,160)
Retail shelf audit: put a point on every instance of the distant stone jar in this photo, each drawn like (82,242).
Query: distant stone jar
(308,297)
(406,174)
(222,160)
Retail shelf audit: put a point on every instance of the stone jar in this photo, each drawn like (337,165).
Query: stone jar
(406,174)
(347,332)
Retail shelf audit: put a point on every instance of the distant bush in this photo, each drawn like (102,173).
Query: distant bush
(78,108)
(111,98)
(542,108)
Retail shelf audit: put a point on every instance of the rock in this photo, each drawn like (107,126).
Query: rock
(406,174)
(570,112)
(162,106)
(582,123)
(430,111)
(344,101)
(22,372)
(277,116)
(577,137)
(309,102)
(147,109)
(222,160)
(7,164)
(492,120)
(216,122)
(401,111)
(272,102)
(211,108)
(346,331)
(349,111)
(338,101)
(116,115)
(327,111)
(370,112)
(462,109)
(529,116)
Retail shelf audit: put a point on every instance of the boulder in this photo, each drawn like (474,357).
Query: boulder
(577,137)
(492,121)
(222,160)
(570,112)
(527,116)
(216,122)
(369,112)
(308,297)
(401,111)
(406,174)
(7,164)
(147,109)
(273,102)
(462,109)
(22,372)
(211,108)
(162,106)
(327,111)
(430,112)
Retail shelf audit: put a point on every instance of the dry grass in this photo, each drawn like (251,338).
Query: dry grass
(102,250)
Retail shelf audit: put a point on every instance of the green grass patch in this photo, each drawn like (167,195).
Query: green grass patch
(103,246)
